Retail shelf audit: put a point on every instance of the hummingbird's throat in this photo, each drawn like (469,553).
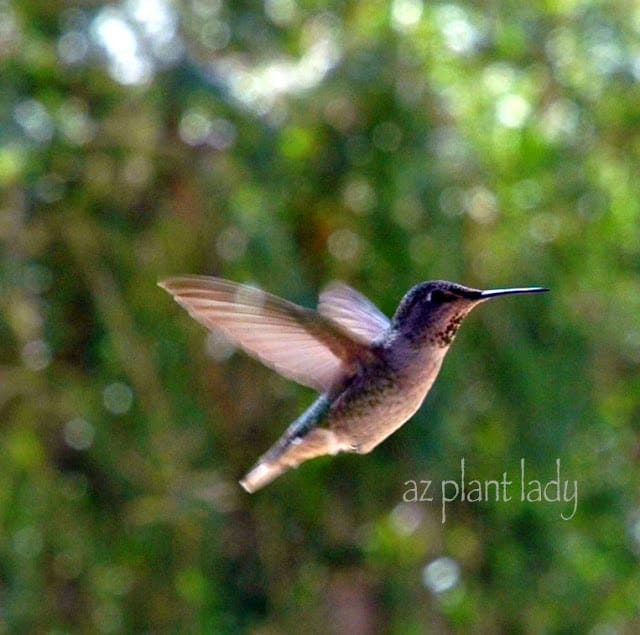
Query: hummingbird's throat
(443,337)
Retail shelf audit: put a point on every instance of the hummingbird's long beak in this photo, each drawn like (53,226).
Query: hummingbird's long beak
(493,293)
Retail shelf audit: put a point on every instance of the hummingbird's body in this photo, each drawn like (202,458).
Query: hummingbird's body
(372,373)
(384,395)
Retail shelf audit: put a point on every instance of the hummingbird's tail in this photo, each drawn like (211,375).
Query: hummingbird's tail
(288,453)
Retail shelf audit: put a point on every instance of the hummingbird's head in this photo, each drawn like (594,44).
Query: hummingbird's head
(433,311)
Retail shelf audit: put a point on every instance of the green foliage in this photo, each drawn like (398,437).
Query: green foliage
(290,143)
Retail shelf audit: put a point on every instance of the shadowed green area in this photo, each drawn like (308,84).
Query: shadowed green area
(287,144)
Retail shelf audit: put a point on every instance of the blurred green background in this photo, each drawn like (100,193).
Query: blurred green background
(289,143)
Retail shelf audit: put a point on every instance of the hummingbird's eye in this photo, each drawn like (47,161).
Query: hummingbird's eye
(439,296)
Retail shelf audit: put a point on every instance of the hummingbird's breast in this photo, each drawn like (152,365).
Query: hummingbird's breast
(384,395)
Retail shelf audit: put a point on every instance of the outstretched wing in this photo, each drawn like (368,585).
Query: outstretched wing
(353,311)
(298,343)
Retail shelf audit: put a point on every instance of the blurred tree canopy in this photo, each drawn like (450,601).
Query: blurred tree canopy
(289,143)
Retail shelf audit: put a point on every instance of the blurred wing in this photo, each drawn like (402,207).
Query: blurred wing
(298,343)
(353,311)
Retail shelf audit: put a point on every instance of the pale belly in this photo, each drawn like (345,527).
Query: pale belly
(376,404)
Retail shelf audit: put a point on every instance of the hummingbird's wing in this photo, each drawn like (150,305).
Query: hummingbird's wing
(353,311)
(298,343)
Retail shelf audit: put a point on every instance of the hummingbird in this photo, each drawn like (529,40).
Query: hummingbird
(372,373)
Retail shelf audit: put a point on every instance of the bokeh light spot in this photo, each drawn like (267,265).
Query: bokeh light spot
(344,244)
(73,47)
(460,35)
(358,195)
(406,518)
(74,122)
(117,398)
(281,12)
(441,575)
(27,542)
(128,64)
(138,170)
(215,34)
(222,134)
(560,120)
(78,434)
(512,111)
(481,205)
(195,127)
(36,355)
(218,347)
(406,14)
(544,227)
(231,243)
(34,119)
